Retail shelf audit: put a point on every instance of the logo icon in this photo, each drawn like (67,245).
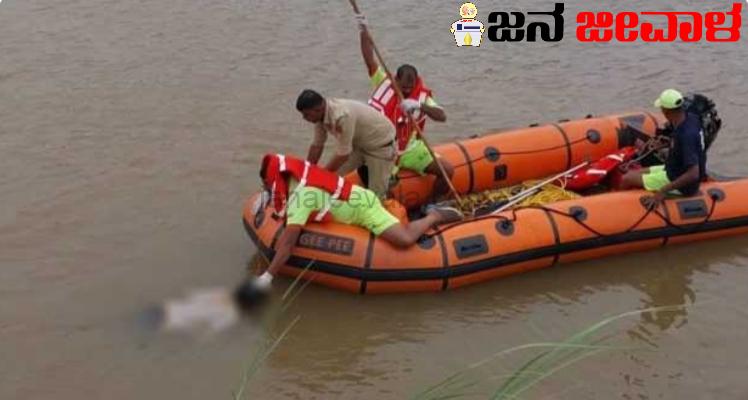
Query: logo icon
(468,31)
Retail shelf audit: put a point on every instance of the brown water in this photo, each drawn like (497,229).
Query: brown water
(130,133)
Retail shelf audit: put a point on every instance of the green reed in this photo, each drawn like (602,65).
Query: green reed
(553,357)
(270,325)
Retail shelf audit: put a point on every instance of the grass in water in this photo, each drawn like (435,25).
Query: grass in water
(270,338)
(553,357)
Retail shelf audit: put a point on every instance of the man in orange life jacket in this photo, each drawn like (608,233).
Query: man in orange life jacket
(301,192)
(418,102)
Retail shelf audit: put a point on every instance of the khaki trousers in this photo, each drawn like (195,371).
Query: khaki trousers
(379,162)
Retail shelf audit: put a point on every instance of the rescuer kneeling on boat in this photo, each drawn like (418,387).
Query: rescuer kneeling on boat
(685,166)
(364,136)
(419,103)
(301,192)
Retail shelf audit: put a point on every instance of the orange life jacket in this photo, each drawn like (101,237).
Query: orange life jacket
(386,101)
(279,169)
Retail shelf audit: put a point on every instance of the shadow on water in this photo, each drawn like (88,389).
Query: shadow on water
(672,283)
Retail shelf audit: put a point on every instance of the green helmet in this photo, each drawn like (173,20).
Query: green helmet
(670,99)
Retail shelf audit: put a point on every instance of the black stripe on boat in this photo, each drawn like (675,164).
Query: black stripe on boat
(471,172)
(568,144)
(666,212)
(556,235)
(367,263)
(421,274)
(445,261)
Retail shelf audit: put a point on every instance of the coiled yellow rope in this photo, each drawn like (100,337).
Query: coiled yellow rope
(549,193)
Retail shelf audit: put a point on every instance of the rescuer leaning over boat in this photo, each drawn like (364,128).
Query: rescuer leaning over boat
(301,192)
(364,137)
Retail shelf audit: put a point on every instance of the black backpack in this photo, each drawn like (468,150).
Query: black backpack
(696,104)
(706,110)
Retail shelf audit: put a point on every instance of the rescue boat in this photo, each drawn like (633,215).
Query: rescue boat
(517,240)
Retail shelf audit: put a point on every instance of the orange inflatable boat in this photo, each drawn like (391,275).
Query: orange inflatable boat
(518,240)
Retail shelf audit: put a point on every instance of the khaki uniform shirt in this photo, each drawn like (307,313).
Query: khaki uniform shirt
(356,126)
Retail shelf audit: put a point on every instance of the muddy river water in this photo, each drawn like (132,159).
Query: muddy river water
(130,135)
